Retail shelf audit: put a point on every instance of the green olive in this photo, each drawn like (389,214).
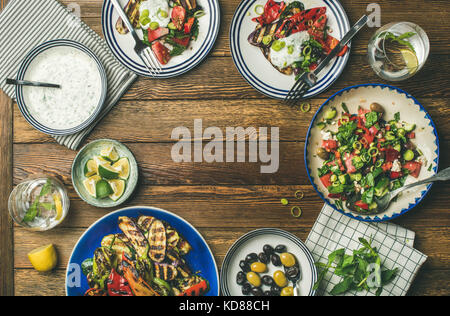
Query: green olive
(254,279)
(377,108)
(258,267)
(280,278)
(287,291)
(288,259)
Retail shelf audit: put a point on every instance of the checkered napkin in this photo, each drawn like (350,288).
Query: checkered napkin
(25,24)
(333,231)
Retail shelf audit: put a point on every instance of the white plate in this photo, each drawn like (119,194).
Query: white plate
(393,100)
(122,46)
(254,242)
(258,71)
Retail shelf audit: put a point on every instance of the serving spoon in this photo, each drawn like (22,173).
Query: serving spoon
(384,202)
(31,83)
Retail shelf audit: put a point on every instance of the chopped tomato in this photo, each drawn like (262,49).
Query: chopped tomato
(349,163)
(387,166)
(329,145)
(414,168)
(411,135)
(313,66)
(272,12)
(362,205)
(369,138)
(396,175)
(161,52)
(158,33)
(373,130)
(188,26)
(182,41)
(178,17)
(326,180)
(392,154)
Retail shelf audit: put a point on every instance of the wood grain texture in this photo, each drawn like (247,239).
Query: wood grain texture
(224,200)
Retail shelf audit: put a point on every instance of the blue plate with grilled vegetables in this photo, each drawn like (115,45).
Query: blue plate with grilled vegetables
(142,251)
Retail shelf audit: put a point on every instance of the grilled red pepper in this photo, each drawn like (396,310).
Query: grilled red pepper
(118,285)
(272,12)
(196,290)
(178,17)
(161,52)
(188,26)
(362,205)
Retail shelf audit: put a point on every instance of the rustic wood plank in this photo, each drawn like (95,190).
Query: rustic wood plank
(162,117)
(6,228)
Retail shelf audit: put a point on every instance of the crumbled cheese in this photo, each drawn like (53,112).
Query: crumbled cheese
(327,135)
(396,166)
(358,187)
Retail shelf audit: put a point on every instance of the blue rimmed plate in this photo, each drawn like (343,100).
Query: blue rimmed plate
(122,46)
(258,71)
(199,259)
(22,73)
(393,100)
(253,242)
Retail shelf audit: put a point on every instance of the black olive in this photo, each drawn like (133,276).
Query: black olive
(275,259)
(241,278)
(256,291)
(276,291)
(268,293)
(268,250)
(267,280)
(253,257)
(246,289)
(263,258)
(244,266)
(292,273)
(280,248)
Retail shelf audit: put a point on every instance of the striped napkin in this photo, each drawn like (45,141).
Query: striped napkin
(25,24)
(333,231)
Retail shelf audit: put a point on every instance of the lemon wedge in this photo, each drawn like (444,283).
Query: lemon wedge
(412,63)
(90,169)
(44,258)
(58,206)
(123,167)
(90,184)
(118,187)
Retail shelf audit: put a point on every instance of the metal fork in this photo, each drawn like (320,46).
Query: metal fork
(143,51)
(309,79)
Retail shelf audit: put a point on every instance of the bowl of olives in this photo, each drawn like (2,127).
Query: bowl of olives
(268,262)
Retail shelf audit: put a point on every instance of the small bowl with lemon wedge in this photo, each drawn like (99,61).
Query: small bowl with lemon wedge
(105,173)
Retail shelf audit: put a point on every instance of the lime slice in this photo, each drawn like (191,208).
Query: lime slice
(90,169)
(123,167)
(103,189)
(110,153)
(412,63)
(118,187)
(108,172)
(90,185)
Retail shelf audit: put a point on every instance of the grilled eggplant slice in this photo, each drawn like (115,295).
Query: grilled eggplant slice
(158,241)
(188,4)
(165,271)
(132,11)
(134,235)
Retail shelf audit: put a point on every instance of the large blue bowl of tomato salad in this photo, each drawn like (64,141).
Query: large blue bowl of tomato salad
(366,141)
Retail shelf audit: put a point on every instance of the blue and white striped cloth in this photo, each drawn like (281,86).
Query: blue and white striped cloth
(25,24)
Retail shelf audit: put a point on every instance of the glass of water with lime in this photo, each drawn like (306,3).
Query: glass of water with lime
(398,51)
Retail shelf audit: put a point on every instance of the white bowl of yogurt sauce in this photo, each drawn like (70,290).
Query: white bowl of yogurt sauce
(83,90)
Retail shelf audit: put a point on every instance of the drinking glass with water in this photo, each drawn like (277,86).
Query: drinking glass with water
(398,51)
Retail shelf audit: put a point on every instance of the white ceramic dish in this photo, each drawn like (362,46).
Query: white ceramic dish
(393,100)
(258,71)
(254,242)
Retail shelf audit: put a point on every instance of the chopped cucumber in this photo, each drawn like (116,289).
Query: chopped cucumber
(408,155)
(410,127)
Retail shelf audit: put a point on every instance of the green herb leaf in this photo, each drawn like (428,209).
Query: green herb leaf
(342,287)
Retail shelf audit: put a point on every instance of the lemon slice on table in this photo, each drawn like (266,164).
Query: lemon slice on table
(58,206)
(108,172)
(123,167)
(118,187)
(412,63)
(90,169)
(90,184)
(44,258)
(110,153)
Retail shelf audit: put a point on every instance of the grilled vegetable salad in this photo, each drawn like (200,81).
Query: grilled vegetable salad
(293,39)
(168,27)
(107,174)
(146,259)
(367,157)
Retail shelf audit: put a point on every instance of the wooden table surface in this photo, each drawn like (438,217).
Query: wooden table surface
(222,200)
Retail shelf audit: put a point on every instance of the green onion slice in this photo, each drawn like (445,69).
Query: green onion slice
(299,195)
(259,9)
(296,211)
(199,14)
(374,151)
(305,107)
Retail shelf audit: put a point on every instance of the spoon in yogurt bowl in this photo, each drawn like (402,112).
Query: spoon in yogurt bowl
(32,83)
